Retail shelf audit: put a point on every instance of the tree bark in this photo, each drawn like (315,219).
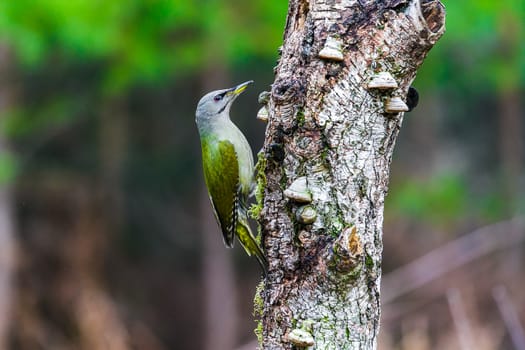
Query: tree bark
(326,157)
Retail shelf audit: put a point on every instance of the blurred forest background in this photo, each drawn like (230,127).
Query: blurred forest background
(106,236)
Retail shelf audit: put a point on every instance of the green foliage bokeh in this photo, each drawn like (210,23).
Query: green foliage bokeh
(482,48)
(156,42)
(141,41)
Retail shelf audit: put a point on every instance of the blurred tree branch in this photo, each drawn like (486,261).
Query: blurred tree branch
(510,316)
(454,254)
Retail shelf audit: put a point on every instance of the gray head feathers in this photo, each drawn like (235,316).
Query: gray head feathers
(216,104)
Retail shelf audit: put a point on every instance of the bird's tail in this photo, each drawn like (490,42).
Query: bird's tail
(249,243)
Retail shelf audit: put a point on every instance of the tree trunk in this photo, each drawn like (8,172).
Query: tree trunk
(325,164)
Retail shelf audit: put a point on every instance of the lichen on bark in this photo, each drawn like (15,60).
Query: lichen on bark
(327,126)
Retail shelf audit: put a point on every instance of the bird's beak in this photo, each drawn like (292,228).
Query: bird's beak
(237,90)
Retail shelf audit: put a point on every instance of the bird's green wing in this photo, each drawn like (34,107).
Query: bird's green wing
(221,172)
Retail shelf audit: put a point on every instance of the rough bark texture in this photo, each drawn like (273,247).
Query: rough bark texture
(326,126)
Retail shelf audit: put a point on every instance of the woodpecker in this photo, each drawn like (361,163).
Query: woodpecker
(227,162)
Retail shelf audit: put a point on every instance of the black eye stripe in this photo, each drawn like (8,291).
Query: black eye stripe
(219,96)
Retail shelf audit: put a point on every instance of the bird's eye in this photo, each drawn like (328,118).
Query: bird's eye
(217,98)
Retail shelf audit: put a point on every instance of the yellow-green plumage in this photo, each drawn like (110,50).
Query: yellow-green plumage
(221,172)
(228,168)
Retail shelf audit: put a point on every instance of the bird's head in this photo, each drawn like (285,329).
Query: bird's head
(217,102)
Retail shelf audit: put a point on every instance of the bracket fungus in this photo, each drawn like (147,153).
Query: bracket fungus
(301,338)
(395,105)
(382,81)
(332,49)
(264,97)
(298,191)
(262,114)
(306,214)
